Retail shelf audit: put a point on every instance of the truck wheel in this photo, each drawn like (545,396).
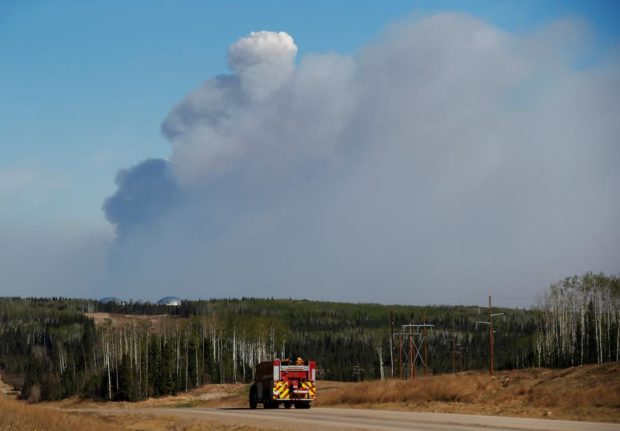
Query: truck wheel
(287,404)
(268,403)
(253,398)
(302,405)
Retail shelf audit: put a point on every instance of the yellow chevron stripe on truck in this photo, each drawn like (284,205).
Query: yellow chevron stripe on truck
(281,390)
(309,386)
(285,394)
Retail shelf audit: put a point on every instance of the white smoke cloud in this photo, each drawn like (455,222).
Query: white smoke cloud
(263,61)
(448,160)
(207,128)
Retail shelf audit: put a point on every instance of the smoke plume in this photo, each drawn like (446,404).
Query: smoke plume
(447,160)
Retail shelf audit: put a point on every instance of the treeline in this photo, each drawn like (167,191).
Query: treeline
(43,343)
(580,322)
(59,351)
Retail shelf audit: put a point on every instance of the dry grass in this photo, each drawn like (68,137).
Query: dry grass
(446,388)
(580,393)
(19,416)
(153,322)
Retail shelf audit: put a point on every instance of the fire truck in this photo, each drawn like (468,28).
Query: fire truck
(283,381)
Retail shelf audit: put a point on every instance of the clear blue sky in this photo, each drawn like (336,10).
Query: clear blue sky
(84,86)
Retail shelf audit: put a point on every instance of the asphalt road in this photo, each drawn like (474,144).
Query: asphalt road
(324,419)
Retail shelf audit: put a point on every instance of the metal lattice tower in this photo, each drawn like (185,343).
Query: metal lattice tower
(416,336)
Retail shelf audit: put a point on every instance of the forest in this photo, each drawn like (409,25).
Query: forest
(53,348)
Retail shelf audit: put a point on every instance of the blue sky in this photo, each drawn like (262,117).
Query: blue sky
(85,87)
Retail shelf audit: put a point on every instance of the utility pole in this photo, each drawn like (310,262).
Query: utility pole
(425,329)
(490,339)
(400,356)
(411,361)
(491,335)
(392,341)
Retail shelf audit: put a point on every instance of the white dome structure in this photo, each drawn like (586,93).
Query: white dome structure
(169,300)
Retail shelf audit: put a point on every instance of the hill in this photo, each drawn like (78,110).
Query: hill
(57,347)
(588,393)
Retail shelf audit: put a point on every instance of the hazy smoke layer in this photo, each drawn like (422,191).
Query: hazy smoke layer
(446,161)
(67,260)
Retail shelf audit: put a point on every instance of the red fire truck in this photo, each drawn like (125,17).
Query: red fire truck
(283,381)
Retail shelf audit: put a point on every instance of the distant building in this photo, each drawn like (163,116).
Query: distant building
(169,300)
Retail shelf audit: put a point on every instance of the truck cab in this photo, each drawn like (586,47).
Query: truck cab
(282,381)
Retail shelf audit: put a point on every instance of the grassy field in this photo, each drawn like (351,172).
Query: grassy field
(153,322)
(19,416)
(589,393)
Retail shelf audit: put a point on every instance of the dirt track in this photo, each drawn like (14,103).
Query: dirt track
(7,391)
(4,389)
(357,419)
